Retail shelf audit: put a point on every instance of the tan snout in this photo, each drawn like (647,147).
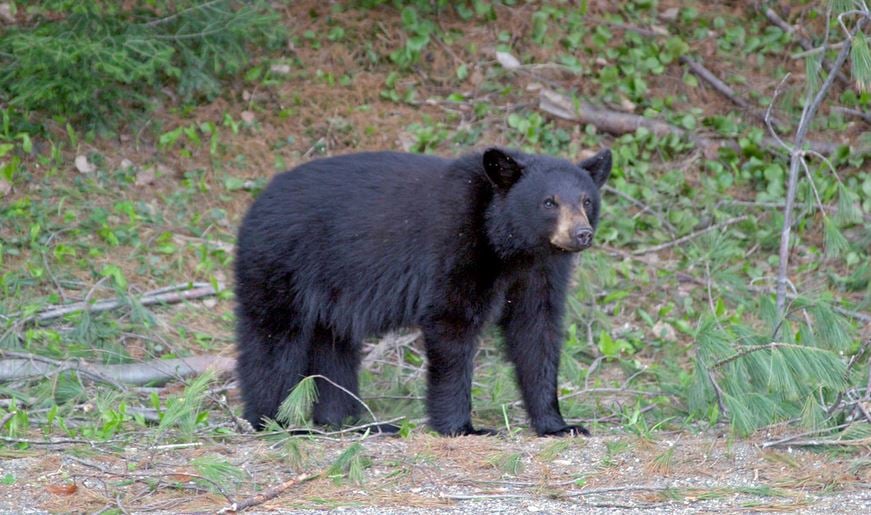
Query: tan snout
(573,232)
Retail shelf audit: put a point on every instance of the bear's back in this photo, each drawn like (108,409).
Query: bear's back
(355,242)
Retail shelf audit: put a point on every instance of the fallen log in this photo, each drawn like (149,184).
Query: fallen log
(617,123)
(158,371)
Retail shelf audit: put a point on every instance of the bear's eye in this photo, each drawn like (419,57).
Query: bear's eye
(549,203)
(587,203)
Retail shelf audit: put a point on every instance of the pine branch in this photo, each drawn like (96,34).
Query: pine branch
(749,349)
(796,156)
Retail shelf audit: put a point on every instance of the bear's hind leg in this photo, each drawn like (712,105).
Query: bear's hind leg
(338,359)
(268,367)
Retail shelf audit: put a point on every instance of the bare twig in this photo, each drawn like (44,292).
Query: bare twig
(349,392)
(805,43)
(749,349)
(31,441)
(158,371)
(724,89)
(859,442)
(853,112)
(268,494)
(165,295)
(786,440)
(690,236)
(796,156)
(615,122)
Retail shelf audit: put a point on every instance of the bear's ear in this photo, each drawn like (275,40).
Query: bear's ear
(598,166)
(502,170)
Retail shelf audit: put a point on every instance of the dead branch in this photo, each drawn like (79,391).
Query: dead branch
(389,341)
(166,295)
(616,122)
(805,43)
(722,88)
(859,442)
(857,315)
(158,371)
(862,115)
(268,494)
(796,159)
(690,236)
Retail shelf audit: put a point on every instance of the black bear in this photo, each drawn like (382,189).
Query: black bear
(347,247)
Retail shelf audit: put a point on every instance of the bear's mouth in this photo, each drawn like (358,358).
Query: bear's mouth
(569,247)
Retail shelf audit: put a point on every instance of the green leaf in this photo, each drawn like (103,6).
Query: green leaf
(116,274)
(607,345)
(462,72)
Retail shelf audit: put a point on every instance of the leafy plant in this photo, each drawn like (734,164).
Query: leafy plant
(91,61)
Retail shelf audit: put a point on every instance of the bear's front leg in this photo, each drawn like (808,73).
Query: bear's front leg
(531,323)
(450,352)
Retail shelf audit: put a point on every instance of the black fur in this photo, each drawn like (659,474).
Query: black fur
(352,246)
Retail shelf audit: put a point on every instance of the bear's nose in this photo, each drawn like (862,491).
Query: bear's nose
(584,236)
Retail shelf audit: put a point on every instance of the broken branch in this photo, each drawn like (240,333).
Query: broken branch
(615,122)
(724,89)
(166,295)
(689,236)
(796,159)
(158,371)
(268,494)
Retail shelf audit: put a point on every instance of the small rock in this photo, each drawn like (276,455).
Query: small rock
(5,187)
(83,165)
(669,14)
(508,61)
(665,331)
(627,105)
(406,141)
(660,30)
(280,69)
(6,12)
(145,176)
(247,117)
(246,95)
(126,164)
(210,302)
(533,86)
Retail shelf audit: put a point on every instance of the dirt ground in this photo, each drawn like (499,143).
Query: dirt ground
(603,473)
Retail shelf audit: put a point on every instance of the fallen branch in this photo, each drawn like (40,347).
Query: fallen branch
(857,315)
(796,159)
(749,349)
(805,43)
(724,89)
(616,122)
(690,236)
(158,371)
(859,442)
(862,115)
(268,494)
(166,295)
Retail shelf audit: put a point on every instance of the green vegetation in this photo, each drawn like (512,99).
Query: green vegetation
(133,138)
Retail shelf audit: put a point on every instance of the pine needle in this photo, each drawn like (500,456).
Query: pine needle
(350,463)
(848,207)
(833,239)
(297,406)
(860,56)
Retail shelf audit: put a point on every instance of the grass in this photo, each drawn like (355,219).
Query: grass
(646,331)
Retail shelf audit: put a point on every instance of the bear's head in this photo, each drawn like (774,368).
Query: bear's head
(543,203)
